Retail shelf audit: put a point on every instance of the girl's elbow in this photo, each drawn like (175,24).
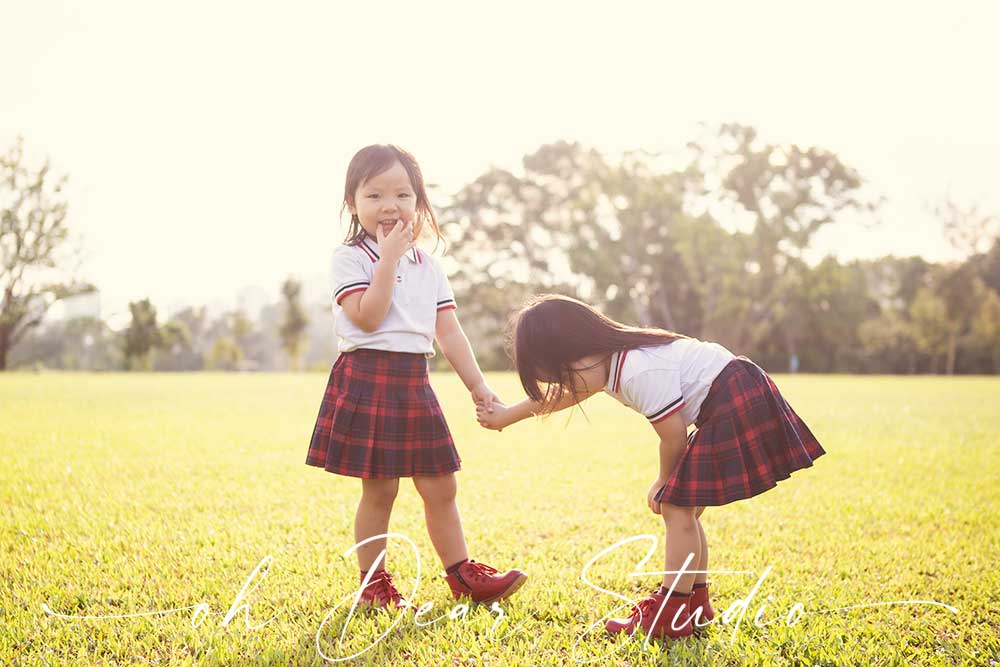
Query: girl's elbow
(368,325)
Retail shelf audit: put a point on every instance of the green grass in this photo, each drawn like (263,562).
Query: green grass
(123,494)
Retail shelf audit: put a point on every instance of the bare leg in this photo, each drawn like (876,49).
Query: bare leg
(703,564)
(444,524)
(683,539)
(372,518)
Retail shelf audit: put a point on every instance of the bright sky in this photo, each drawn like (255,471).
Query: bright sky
(207,142)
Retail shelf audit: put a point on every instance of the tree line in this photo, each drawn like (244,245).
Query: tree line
(712,243)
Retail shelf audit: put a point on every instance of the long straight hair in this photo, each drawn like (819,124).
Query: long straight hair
(373,160)
(552,331)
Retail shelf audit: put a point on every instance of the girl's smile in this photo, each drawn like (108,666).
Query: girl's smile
(388,225)
(384,200)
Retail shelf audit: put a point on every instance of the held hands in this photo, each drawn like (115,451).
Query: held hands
(394,245)
(651,496)
(487,403)
(496,420)
(483,396)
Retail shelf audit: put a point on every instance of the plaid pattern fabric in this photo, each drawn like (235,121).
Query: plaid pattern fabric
(747,439)
(381,419)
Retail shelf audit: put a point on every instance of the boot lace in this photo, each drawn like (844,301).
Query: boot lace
(480,571)
(645,608)
(384,590)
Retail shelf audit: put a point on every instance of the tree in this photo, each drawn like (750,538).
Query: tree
(787,193)
(225,355)
(87,344)
(294,322)
(832,301)
(988,266)
(81,343)
(509,243)
(889,343)
(615,235)
(242,329)
(142,336)
(985,334)
(175,346)
(33,236)
(185,338)
(962,292)
(967,228)
(932,327)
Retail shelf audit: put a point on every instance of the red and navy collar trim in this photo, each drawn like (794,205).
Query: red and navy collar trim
(615,377)
(370,247)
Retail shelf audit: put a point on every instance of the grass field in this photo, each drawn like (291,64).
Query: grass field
(128,494)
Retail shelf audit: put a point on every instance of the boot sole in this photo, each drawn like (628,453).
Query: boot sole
(507,592)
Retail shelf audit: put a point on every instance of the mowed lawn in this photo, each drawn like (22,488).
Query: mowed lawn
(127,494)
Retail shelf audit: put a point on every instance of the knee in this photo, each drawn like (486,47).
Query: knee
(679,518)
(436,490)
(380,493)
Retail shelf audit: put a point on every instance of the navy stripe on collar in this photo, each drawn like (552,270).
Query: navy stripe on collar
(412,254)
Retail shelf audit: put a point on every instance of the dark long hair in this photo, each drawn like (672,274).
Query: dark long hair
(373,160)
(552,331)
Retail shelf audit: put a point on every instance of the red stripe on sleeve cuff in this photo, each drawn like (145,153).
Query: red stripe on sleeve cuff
(350,291)
(659,419)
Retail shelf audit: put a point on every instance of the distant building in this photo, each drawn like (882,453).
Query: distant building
(81,305)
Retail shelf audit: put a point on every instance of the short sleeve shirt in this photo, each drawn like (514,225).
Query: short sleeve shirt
(661,380)
(421,291)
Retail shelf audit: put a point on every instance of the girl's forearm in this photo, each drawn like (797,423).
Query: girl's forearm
(670,454)
(529,408)
(375,301)
(522,410)
(456,349)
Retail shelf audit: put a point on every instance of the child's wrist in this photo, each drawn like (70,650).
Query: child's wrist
(516,413)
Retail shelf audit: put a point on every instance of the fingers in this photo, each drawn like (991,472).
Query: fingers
(401,233)
(483,418)
(404,227)
(651,502)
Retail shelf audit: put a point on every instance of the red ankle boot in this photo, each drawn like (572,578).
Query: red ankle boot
(381,592)
(483,583)
(645,611)
(700,606)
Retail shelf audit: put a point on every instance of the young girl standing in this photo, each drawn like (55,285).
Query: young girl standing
(380,419)
(747,436)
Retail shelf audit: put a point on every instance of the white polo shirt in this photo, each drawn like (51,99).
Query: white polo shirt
(422,289)
(661,380)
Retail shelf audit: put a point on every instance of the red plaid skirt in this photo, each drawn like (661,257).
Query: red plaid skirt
(747,438)
(380,419)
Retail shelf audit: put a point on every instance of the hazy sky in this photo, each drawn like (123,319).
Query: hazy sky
(207,142)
